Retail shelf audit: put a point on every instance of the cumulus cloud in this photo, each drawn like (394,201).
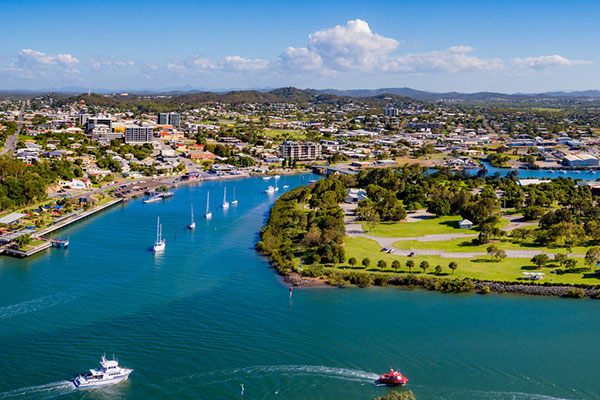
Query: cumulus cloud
(351,46)
(453,59)
(300,59)
(543,62)
(33,58)
(236,63)
(98,64)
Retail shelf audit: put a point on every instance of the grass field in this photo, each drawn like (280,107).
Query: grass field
(432,226)
(285,133)
(465,245)
(482,268)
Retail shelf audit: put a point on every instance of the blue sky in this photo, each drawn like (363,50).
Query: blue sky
(506,46)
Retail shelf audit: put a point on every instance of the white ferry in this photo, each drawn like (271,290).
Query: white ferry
(109,374)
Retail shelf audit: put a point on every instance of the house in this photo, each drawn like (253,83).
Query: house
(355,195)
(465,224)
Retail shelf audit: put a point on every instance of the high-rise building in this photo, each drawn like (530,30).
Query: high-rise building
(138,134)
(390,112)
(93,122)
(168,119)
(300,151)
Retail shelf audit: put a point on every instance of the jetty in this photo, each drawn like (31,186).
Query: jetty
(160,196)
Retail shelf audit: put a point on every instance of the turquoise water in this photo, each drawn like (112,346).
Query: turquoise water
(209,314)
(587,175)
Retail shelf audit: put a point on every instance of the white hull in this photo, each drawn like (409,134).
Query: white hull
(208,216)
(83,383)
(234,203)
(158,247)
(225,205)
(192,225)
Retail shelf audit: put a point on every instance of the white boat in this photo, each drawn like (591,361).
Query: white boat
(208,214)
(109,374)
(160,244)
(277,188)
(270,190)
(266,178)
(276,177)
(225,202)
(193,224)
(234,202)
(286,186)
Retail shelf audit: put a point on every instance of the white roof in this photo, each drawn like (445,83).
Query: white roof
(465,222)
(10,218)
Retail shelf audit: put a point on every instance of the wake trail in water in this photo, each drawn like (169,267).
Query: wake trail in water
(47,391)
(34,305)
(258,371)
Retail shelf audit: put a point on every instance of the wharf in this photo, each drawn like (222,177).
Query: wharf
(77,217)
(15,252)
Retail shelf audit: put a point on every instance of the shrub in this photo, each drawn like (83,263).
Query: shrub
(574,293)
(485,289)
(407,395)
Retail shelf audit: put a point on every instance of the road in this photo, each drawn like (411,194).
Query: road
(11,141)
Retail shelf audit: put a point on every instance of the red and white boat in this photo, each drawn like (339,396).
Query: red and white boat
(394,378)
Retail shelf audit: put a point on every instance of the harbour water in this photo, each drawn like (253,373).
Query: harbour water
(209,314)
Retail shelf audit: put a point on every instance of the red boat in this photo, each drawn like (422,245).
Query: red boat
(394,378)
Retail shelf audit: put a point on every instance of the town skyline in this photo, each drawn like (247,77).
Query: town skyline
(436,47)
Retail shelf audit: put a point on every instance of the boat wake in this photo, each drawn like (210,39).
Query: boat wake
(34,305)
(258,371)
(47,391)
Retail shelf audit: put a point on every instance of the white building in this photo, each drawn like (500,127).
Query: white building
(138,134)
(300,151)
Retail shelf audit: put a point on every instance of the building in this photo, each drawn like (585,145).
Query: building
(168,119)
(138,134)
(300,151)
(390,112)
(581,160)
(98,120)
(83,118)
(465,224)
(355,195)
(11,219)
(103,133)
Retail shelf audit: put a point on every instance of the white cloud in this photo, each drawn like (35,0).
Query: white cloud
(352,46)
(34,58)
(236,63)
(453,59)
(543,62)
(300,59)
(110,62)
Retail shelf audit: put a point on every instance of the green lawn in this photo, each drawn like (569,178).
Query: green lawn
(31,245)
(287,133)
(481,268)
(432,226)
(466,245)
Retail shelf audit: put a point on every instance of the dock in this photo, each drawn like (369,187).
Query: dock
(160,196)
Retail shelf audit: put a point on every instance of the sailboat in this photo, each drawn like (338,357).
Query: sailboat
(208,214)
(159,245)
(225,202)
(193,224)
(234,201)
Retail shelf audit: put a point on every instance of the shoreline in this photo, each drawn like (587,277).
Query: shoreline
(497,287)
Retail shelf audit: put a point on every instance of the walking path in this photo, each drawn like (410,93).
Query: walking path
(354,229)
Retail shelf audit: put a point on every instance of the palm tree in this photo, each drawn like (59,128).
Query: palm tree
(424,265)
(453,265)
(410,264)
(396,265)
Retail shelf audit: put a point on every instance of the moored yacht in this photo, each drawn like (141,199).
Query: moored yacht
(234,202)
(109,374)
(225,202)
(160,244)
(270,190)
(208,214)
(193,224)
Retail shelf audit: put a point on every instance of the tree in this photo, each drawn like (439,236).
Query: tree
(410,264)
(424,265)
(366,262)
(381,264)
(560,258)
(396,265)
(23,240)
(570,264)
(496,253)
(540,260)
(453,266)
(592,257)
(352,261)
(438,269)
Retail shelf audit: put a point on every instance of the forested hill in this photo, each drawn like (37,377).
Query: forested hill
(165,102)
